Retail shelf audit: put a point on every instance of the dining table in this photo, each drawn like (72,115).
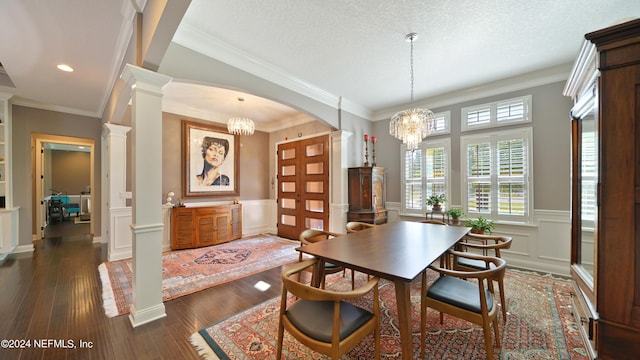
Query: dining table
(398,251)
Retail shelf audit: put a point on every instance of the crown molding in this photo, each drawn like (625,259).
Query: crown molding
(503,86)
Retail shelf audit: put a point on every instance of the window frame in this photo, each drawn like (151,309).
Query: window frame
(434,143)
(492,109)
(524,133)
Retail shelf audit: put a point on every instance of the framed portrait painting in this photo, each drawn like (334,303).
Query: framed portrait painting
(210,161)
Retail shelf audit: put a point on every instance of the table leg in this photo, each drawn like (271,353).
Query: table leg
(318,273)
(403,298)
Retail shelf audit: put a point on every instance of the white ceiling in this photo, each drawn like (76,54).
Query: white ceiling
(350,49)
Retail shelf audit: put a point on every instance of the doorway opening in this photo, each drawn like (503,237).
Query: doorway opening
(63,169)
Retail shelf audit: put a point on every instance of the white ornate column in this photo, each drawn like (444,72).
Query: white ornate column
(338,176)
(147,222)
(114,190)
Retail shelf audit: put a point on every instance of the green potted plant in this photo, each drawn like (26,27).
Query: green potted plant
(455,214)
(436,201)
(480,225)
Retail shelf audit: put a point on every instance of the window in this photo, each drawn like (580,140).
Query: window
(425,171)
(443,121)
(500,113)
(496,173)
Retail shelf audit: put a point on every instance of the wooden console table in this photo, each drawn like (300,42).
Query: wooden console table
(193,227)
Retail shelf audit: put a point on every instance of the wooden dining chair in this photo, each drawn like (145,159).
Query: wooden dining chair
(310,236)
(322,320)
(487,245)
(443,259)
(354,226)
(473,301)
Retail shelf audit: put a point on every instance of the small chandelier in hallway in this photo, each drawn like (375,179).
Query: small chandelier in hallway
(241,125)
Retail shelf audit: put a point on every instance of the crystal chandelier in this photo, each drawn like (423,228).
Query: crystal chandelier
(411,126)
(241,125)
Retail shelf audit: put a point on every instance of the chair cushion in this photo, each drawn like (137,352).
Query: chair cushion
(474,264)
(329,266)
(458,292)
(315,318)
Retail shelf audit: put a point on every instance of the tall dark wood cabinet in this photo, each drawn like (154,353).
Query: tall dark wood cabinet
(367,195)
(605,205)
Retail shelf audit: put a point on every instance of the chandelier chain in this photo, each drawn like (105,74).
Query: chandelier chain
(412,69)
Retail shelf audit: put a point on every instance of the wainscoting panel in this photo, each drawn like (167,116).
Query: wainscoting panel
(120,246)
(259,217)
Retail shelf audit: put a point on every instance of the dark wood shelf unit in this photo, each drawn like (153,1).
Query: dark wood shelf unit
(367,195)
(605,240)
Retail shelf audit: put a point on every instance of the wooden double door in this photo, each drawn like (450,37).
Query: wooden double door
(303,186)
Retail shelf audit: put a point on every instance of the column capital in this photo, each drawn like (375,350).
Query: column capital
(147,79)
(113,129)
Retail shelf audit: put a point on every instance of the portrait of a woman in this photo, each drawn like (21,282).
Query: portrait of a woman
(211,161)
(214,152)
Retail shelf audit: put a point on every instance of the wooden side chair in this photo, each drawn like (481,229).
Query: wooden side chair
(322,320)
(473,301)
(487,245)
(354,226)
(310,236)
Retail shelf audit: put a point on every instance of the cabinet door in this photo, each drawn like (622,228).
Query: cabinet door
(182,229)
(205,228)
(236,222)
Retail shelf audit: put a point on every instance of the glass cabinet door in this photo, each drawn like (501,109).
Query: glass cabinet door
(584,193)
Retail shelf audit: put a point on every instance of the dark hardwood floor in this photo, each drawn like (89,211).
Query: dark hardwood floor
(55,294)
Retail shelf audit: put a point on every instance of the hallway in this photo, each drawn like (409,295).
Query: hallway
(55,294)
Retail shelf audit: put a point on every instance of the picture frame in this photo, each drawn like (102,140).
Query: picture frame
(210,161)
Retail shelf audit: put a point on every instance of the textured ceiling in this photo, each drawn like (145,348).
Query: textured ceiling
(349,49)
(356,49)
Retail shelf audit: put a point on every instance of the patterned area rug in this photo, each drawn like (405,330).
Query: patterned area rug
(539,326)
(187,271)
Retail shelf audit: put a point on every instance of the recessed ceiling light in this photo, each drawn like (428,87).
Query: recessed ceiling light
(65,67)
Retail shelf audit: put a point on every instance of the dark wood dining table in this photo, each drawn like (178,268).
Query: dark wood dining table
(398,251)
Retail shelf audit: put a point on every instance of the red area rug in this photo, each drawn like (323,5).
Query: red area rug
(187,271)
(539,326)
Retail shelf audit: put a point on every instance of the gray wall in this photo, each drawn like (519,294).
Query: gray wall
(27,121)
(254,162)
(551,163)
(70,171)
(551,147)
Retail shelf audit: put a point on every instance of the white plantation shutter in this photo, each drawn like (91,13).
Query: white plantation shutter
(413,179)
(506,112)
(513,110)
(436,174)
(425,171)
(443,122)
(589,175)
(480,116)
(497,169)
(511,171)
(479,178)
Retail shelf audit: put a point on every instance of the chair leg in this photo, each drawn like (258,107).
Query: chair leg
(353,279)
(280,340)
(496,330)
(488,343)
(503,302)
(423,315)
